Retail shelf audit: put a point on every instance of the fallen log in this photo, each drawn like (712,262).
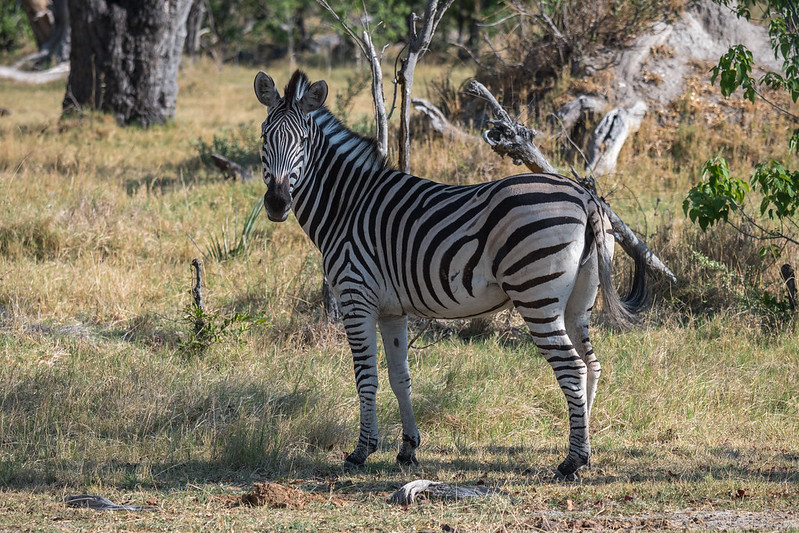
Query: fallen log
(507,137)
(230,169)
(578,110)
(439,122)
(58,72)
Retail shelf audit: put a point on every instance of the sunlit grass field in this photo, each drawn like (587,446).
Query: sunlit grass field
(102,392)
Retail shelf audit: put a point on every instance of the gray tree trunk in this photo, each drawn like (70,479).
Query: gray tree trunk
(125,58)
(41,19)
(417,46)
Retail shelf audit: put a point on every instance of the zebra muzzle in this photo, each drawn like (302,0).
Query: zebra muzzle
(277,203)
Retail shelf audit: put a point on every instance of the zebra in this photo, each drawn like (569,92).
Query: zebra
(395,245)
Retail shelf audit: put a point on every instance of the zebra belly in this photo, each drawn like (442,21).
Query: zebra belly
(484,301)
(485,298)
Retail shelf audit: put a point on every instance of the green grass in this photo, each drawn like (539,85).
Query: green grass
(100,393)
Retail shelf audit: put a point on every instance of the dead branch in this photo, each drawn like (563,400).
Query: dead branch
(58,72)
(197,294)
(439,122)
(365,44)
(507,137)
(578,109)
(417,46)
(789,278)
(409,492)
(610,135)
(231,169)
(378,96)
(332,309)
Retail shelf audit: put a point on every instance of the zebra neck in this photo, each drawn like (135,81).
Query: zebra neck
(338,188)
(344,172)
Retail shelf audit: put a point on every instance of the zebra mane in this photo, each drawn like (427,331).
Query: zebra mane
(336,132)
(296,87)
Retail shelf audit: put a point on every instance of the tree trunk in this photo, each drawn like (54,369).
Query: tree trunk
(439,123)
(378,96)
(58,72)
(49,20)
(41,19)
(125,58)
(331,307)
(417,46)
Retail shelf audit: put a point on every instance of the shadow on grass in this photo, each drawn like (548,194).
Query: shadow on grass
(382,474)
(191,172)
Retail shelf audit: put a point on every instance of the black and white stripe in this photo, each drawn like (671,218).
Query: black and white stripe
(395,245)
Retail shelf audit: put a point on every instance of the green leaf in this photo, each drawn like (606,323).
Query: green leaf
(712,199)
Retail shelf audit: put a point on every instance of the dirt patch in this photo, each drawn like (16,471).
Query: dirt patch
(723,520)
(656,66)
(280,496)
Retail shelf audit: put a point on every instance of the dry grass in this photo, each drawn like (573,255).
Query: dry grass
(100,396)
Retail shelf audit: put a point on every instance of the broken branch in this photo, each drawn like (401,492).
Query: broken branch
(507,137)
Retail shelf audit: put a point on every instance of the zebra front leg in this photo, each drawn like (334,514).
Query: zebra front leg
(395,339)
(362,336)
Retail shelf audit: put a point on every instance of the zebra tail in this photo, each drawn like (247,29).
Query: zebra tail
(622,313)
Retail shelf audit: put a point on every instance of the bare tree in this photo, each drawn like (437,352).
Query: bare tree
(417,46)
(366,45)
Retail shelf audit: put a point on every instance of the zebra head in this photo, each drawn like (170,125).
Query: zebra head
(285,134)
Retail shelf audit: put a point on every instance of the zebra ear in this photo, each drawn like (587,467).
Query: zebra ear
(265,89)
(314,97)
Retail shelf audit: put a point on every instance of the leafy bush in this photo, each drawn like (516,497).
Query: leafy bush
(713,198)
(213,328)
(14,28)
(719,194)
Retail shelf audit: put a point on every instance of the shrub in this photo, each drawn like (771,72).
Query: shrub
(540,41)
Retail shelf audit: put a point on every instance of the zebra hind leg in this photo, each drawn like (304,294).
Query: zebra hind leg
(550,334)
(395,339)
(578,314)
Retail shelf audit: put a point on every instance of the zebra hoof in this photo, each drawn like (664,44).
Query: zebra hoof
(407,460)
(352,463)
(354,460)
(567,471)
(574,477)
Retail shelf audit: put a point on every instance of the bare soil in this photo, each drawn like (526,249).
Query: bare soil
(280,496)
(724,520)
